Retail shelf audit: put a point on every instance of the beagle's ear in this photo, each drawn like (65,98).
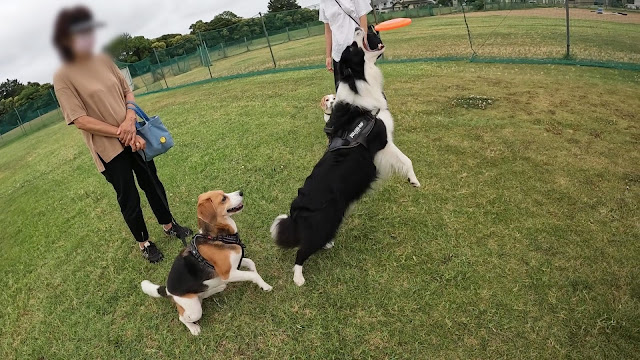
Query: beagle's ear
(323,102)
(206,214)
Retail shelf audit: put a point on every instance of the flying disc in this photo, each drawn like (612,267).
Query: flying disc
(393,24)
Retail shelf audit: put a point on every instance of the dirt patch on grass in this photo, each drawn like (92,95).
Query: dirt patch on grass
(583,14)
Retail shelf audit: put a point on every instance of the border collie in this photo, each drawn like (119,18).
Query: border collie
(360,130)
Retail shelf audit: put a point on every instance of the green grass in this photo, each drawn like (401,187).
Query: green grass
(34,125)
(522,242)
(518,35)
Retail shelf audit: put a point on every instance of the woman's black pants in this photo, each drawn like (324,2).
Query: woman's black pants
(119,172)
(336,75)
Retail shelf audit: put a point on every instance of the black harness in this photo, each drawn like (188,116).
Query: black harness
(226,239)
(353,136)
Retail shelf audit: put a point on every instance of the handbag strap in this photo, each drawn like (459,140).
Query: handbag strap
(345,11)
(138,110)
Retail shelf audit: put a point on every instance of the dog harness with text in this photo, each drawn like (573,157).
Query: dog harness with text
(350,138)
(225,239)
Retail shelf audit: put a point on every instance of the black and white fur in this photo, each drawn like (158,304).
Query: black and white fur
(342,176)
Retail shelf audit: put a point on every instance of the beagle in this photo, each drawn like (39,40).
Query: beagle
(210,262)
(327,105)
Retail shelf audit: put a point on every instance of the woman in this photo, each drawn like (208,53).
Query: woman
(94,96)
(339,18)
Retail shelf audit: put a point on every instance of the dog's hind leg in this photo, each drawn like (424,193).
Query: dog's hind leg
(189,311)
(301,256)
(391,159)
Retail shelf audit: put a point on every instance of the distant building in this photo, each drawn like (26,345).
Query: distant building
(411,4)
(383,5)
(395,5)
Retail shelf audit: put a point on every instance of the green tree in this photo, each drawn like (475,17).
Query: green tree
(10,88)
(129,49)
(282,5)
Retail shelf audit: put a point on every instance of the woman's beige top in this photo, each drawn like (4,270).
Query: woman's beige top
(94,88)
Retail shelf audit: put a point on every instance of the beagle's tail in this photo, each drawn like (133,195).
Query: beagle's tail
(153,290)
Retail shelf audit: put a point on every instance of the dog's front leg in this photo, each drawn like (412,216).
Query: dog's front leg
(254,277)
(249,264)
(214,288)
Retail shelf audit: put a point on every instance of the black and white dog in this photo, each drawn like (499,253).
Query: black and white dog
(360,130)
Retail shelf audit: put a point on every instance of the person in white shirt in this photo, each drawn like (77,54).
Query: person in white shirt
(339,18)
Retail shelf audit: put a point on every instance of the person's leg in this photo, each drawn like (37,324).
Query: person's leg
(149,182)
(147,176)
(336,74)
(119,173)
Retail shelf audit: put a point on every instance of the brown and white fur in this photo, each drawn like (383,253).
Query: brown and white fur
(188,282)
(327,105)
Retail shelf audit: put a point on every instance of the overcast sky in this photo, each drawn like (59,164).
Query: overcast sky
(26,52)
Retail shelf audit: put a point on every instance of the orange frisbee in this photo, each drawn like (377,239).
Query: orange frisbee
(393,24)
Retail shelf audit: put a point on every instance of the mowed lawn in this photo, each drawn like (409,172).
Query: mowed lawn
(532,33)
(521,243)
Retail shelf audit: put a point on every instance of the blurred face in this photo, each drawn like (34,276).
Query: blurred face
(82,43)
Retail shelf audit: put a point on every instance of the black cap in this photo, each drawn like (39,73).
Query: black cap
(85,25)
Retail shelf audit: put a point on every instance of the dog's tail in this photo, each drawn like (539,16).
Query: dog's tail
(283,231)
(153,290)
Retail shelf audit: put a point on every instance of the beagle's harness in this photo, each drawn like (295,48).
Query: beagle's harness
(225,239)
(353,136)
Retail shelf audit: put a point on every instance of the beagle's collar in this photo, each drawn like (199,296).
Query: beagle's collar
(233,239)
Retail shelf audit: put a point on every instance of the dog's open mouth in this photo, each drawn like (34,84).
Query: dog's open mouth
(366,47)
(235,209)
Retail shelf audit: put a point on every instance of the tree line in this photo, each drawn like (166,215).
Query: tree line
(14,95)
(225,28)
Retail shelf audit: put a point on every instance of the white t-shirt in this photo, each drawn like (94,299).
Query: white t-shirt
(342,26)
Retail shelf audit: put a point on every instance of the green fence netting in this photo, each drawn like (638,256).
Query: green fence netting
(20,118)
(514,32)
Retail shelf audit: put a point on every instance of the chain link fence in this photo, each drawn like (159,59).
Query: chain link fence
(499,31)
(36,114)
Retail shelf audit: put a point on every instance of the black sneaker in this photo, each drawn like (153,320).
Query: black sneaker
(178,231)
(152,253)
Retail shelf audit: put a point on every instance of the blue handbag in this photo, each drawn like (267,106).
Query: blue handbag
(153,131)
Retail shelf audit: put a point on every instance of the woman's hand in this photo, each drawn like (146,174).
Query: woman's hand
(138,143)
(127,130)
(329,64)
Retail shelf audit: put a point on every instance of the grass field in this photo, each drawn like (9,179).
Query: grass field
(522,242)
(532,33)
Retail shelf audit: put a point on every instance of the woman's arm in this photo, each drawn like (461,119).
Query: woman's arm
(95,126)
(328,47)
(363,23)
(127,130)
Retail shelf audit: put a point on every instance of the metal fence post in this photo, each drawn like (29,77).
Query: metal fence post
(19,120)
(56,101)
(264,28)
(308,31)
(566,7)
(161,69)
(203,47)
(246,43)
(224,51)
(288,35)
